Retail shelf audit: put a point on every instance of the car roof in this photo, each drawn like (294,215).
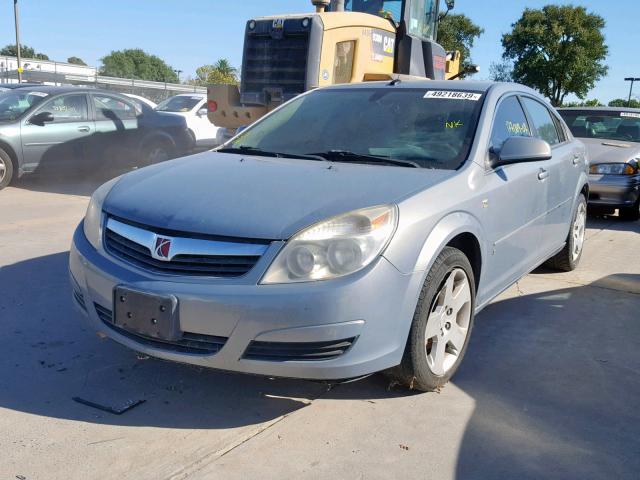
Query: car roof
(53,90)
(600,109)
(413,82)
(13,86)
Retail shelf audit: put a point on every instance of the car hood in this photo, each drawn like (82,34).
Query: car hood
(610,151)
(256,197)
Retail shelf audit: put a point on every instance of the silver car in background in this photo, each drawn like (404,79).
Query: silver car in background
(612,138)
(355,229)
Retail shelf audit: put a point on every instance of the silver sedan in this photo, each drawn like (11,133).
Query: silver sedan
(355,229)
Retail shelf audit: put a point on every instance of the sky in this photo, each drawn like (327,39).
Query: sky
(190,33)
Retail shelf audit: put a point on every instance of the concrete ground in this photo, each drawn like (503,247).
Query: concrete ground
(549,388)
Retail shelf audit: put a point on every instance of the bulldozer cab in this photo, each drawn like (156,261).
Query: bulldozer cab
(420,17)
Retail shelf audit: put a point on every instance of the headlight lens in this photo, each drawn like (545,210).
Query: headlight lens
(335,247)
(93,217)
(613,169)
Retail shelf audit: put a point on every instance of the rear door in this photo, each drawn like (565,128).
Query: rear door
(516,204)
(115,144)
(62,143)
(563,169)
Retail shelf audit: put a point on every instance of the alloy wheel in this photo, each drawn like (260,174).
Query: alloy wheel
(3,169)
(578,231)
(448,323)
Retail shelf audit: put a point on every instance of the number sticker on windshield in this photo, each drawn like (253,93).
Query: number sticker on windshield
(630,114)
(452,95)
(38,94)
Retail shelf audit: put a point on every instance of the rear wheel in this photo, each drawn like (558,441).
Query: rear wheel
(441,325)
(6,169)
(569,257)
(157,151)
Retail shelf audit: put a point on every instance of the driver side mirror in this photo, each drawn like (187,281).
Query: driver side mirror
(41,118)
(202,112)
(521,149)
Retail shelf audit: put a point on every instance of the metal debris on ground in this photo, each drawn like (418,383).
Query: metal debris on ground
(128,405)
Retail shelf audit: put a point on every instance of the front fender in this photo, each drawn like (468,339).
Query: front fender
(416,250)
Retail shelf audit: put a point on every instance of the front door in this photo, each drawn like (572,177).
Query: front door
(60,144)
(516,205)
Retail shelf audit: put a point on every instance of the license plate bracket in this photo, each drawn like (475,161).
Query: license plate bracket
(147,314)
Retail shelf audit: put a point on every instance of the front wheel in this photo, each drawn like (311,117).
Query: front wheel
(156,152)
(6,169)
(441,325)
(569,257)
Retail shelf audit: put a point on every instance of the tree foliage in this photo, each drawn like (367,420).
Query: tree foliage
(221,72)
(501,71)
(136,63)
(588,103)
(623,102)
(458,32)
(557,50)
(25,52)
(76,61)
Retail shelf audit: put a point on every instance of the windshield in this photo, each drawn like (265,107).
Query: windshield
(604,124)
(181,103)
(13,103)
(431,128)
(376,7)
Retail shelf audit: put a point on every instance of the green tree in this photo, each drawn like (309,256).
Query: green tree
(76,61)
(589,103)
(136,63)
(557,50)
(221,72)
(623,102)
(458,32)
(501,71)
(25,52)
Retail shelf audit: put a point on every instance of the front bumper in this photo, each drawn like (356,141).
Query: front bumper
(614,190)
(375,307)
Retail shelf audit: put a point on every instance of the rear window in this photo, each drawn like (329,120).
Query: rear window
(604,124)
(179,104)
(432,128)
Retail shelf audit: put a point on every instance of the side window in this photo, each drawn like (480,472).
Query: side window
(562,134)
(542,121)
(67,108)
(112,108)
(510,121)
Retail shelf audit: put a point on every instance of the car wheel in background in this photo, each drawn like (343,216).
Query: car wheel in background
(441,326)
(6,169)
(570,255)
(157,151)
(631,213)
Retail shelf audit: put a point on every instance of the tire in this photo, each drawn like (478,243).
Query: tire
(157,151)
(6,169)
(429,363)
(569,257)
(631,213)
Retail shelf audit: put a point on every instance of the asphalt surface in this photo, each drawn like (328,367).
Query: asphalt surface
(549,387)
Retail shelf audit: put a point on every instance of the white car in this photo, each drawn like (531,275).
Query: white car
(193,107)
(144,100)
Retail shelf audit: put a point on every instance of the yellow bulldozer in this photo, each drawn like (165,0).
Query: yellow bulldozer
(344,41)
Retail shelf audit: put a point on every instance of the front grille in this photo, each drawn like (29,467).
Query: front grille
(297,351)
(195,265)
(275,60)
(194,343)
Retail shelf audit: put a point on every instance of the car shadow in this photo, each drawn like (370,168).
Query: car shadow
(69,183)
(554,376)
(51,355)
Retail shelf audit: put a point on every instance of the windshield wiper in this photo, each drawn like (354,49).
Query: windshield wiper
(347,156)
(245,150)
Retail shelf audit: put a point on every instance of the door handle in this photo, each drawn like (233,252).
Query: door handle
(542,174)
(577,159)
(83,129)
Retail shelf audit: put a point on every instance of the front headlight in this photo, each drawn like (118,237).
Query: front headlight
(93,217)
(335,247)
(613,169)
